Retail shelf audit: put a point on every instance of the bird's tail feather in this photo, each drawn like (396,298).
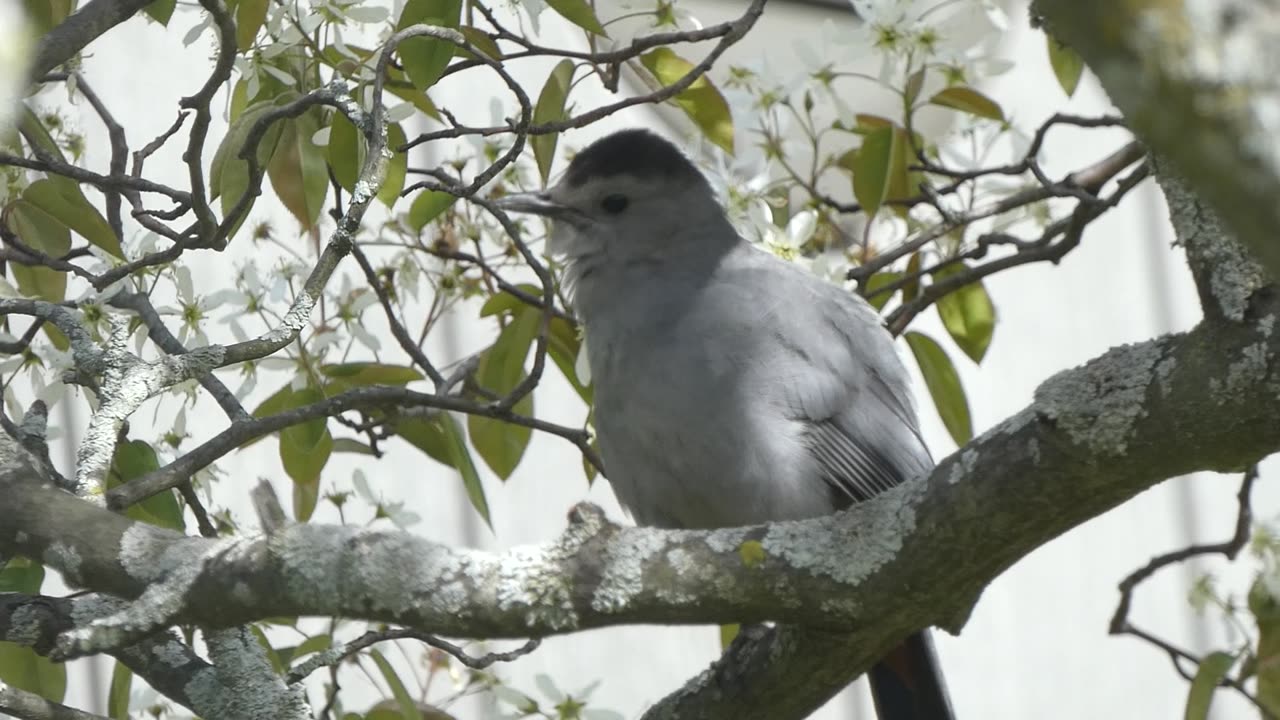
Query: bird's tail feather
(907,683)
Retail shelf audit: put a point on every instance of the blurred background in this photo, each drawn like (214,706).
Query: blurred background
(1036,645)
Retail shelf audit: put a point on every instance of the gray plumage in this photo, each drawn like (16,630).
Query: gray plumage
(731,387)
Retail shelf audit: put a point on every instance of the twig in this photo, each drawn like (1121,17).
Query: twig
(1041,250)
(729,33)
(377,397)
(337,655)
(1230,548)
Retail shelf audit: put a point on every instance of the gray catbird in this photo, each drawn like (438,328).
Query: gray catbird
(731,387)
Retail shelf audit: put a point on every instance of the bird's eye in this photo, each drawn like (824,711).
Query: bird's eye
(614,204)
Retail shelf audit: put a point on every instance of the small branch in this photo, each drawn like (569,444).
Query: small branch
(376,397)
(24,342)
(732,33)
(127,382)
(193,156)
(393,321)
(106,183)
(334,656)
(119,153)
(141,305)
(88,357)
(1082,184)
(1120,623)
(1041,250)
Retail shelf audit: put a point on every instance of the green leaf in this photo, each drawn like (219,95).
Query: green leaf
(420,100)
(502,444)
(397,168)
(505,302)
(481,41)
(425,59)
(47,14)
(866,122)
(460,458)
(1067,65)
(440,437)
(22,668)
(727,634)
(427,206)
(1266,613)
(348,445)
(944,385)
(563,346)
(362,374)
(40,231)
(297,169)
(250,15)
(288,654)
(914,84)
(966,99)
(305,449)
(21,575)
(161,10)
(587,468)
(579,13)
(967,313)
(875,282)
(228,173)
(701,101)
(278,401)
(550,108)
(118,693)
(133,459)
(1212,670)
(36,133)
(239,101)
(911,288)
(408,707)
(69,206)
(346,151)
(880,168)
(313,644)
(398,82)
(428,435)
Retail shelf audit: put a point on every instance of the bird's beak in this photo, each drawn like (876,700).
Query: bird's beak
(533,203)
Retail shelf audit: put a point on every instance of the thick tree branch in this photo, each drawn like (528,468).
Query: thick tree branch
(1197,82)
(163,660)
(1225,273)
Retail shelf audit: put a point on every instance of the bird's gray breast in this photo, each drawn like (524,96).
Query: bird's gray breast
(687,419)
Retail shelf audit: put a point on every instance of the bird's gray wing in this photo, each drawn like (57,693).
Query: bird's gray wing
(854,470)
(853,395)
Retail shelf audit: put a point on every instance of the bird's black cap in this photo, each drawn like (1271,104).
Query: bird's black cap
(634,152)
